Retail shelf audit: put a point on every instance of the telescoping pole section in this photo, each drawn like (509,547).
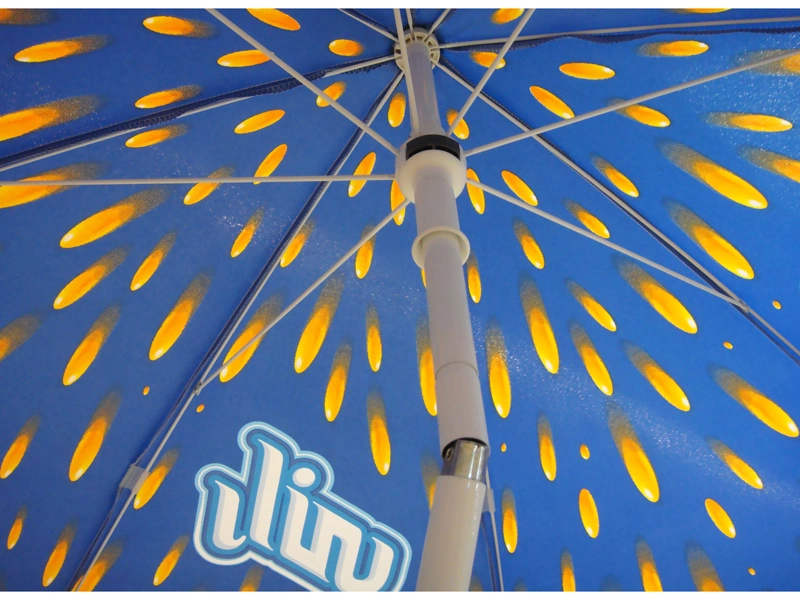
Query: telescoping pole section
(431,171)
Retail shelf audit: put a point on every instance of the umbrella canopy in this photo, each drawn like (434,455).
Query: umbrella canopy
(633,278)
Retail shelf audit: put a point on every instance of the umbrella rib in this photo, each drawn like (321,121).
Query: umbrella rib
(361,65)
(542,36)
(496,541)
(299,77)
(619,105)
(412,99)
(366,23)
(322,278)
(495,63)
(410,19)
(436,23)
(186,180)
(604,242)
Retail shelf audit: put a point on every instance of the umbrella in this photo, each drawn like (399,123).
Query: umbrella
(571,365)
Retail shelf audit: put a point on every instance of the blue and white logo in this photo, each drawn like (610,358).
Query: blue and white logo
(280,511)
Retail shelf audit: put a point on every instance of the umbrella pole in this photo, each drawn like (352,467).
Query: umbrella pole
(431,171)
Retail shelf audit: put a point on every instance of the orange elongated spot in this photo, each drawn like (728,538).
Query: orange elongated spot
(544,340)
(102,565)
(520,188)
(28,120)
(23,16)
(156,136)
(616,177)
(462,129)
(589,515)
(656,376)
(596,310)
(777,305)
(396,198)
(508,508)
(201,191)
(397,109)
(275,18)
(252,579)
(430,471)
(651,581)
(90,346)
(59,554)
(763,408)
(319,321)
(770,161)
(657,296)
(584,451)
(15,196)
(346,48)
(551,102)
(167,25)
(246,234)
(529,246)
(337,381)
(155,479)
(170,560)
(16,528)
(146,390)
(427,373)
(334,91)
(587,219)
(645,115)
(84,282)
(591,359)
(378,432)
(165,97)
(294,247)
(374,345)
(720,518)
(152,261)
(178,317)
(485,59)
(112,218)
(715,176)
(750,122)
(263,316)
(703,573)
(716,246)
(259,121)
(497,365)
(567,572)
(701,11)
(632,453)
(473,278)
(677,48)
(364,168)
(582,70)
(60,49)
(547,449)
(505,15)
(16,452)
(243,58)
(475,194)
(271,162)
(16,333)
(736,464)
(94,436)
(364,255)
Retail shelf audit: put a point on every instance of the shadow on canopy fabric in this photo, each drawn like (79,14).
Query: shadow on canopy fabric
(643,430)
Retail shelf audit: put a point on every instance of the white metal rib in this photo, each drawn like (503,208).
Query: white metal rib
(617,106)
(517,30)
(412,99)
(604,242)
(368,24)
(302,79)
(496,541)
(322,278)
(436,24)
(409,19)
(185,180)
(361,65)
(540,36)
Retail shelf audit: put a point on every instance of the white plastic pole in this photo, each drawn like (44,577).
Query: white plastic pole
(433,178)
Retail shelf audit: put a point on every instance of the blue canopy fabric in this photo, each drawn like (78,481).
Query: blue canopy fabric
(643,429)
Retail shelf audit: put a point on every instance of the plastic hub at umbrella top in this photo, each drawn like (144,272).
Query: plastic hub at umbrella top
(419,35)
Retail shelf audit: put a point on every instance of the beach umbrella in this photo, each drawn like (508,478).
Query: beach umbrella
(392,299)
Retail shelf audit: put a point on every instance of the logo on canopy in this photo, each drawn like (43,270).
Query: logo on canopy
(280,511)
